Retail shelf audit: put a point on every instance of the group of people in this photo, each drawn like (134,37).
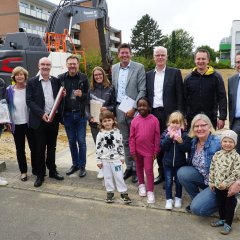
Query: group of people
(184,114)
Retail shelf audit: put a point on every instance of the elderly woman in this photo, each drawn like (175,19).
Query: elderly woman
(16,98)
(100,90)
(195,177)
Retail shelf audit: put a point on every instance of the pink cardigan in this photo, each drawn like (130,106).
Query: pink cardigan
(144,136)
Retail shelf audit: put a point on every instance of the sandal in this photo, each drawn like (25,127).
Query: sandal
(24,177)
(226,229)
(218,223)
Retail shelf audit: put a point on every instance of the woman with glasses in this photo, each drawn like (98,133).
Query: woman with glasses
(195,177)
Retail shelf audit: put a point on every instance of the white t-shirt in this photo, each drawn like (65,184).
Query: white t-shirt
(20,115)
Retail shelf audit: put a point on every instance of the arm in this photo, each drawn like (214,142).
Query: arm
(121,147)
(112,101)
(179,91)
(99,148)
(234,188)
(212,173)
(82,92)
(185,146)
(157,138)
(141,84)
(165,142)
(132,143)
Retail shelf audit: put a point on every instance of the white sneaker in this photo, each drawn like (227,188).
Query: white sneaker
(177,202)
(142,190)
(3,182)
(100,174)
(169,204)
(150,197)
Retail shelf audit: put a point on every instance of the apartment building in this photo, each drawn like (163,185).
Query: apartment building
(32,16)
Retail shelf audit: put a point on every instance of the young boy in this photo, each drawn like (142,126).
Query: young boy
(224,171)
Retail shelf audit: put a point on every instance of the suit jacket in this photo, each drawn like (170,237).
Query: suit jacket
(172,89)
(136,81)
(35,99)
(232,96)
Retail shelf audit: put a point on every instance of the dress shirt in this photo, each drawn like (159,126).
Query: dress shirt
(158,88)
(48,94)
(122,82)
(237,112)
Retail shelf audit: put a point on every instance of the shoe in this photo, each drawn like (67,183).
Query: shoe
(127,174)
(125,198)
(169,204)
(158,180)
(142,190)
(134,177)
(177,202)
(72,170)
(150,197)
(100,174)
(217,223)
(55,175)
(82,172)
(110,197)
(23,177)
(226,229)
(3,182)
(188,209)
(38,182)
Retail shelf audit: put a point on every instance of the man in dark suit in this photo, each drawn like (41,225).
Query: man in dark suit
(41,92)
(234,101)
(165,93)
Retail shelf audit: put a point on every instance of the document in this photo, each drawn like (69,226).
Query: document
(126,104)
(4,112)
(95,107)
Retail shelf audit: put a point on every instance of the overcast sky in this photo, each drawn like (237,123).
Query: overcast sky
(207,21)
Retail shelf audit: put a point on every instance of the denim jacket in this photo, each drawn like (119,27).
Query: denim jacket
(211,146)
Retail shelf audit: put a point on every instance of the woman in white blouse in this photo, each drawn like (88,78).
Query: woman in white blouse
(16,97)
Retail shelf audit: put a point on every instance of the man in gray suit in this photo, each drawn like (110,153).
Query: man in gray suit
(128,79)
(234,101)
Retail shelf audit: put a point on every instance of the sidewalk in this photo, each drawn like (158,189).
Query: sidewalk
(88,187)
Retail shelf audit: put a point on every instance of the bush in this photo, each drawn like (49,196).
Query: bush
(221,65)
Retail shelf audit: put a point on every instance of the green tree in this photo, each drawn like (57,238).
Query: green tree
(211,51)
(145,36)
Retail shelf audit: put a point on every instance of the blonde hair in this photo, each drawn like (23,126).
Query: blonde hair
(107,114)
(105,82)
(203,117)
(177,117)
(16,71)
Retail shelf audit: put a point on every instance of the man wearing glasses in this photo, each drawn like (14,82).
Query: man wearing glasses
(234,101)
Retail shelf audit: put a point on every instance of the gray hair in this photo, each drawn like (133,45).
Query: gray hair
(158,48)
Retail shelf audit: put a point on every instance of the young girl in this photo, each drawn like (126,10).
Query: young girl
(175,143)
(144,146)
(224,171)
(110,156)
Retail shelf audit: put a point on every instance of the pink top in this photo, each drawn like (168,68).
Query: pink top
(144,135)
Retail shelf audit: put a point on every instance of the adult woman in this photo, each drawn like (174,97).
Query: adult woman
(16,98)
(100,90)
(195,177)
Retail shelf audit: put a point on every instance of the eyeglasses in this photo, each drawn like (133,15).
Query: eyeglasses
(200,126)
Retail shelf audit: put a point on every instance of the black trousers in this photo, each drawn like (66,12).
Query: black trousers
(226,205)
(94,130)
(46,139)
(21,132)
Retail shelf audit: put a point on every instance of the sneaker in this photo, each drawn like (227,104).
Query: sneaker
(142,190)
(110,197)
(217,223)
(226,229)
(169,204)
(150,197)
(3,182)
(100,174)
(177,202)
(125,198)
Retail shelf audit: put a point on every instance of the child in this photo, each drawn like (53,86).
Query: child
(110,156)
(144,146)
(224,171)
(175,143)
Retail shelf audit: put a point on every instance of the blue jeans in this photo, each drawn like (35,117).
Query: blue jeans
(76,132)
(169,173)
(203,203)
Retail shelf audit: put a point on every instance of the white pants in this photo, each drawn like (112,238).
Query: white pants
(114,170)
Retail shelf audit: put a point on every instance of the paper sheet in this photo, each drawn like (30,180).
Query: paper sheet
(126,104)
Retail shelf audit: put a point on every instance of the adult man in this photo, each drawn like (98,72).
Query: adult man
(234,101)
(128,79)
(165,93)
(204,91)
(40,94)
(74,117)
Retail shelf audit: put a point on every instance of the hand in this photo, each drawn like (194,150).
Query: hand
(211,186)
(9,128)
(103,109)
(122,161)
(100,165)
(78,93)
(220,124)
(130,113)
(45,117)
(179,139)
(64,93)
(92,120)
(172,133)
(234,189)
(222,186)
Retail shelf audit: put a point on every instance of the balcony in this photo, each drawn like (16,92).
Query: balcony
(28,30)
(76,27)
(33,13)
(76,42)
(114,39)
(113,49)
